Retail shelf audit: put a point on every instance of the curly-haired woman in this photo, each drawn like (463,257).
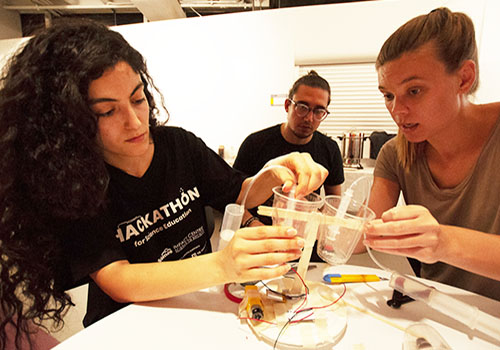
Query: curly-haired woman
(92,186)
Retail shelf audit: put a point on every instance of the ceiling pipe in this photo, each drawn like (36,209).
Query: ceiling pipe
(150,9)
(67,7)
(156,10)
(130,6)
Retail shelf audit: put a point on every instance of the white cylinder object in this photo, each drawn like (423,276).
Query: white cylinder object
(231,222)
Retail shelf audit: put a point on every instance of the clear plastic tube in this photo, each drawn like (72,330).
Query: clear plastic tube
(345,200)
(467,314)
(368,249)
(263,170)
(233,213)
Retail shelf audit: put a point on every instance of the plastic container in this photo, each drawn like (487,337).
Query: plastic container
(420,336)
(310,203)
(337,242)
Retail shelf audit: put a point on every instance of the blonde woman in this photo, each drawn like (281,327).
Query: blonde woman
(444,159)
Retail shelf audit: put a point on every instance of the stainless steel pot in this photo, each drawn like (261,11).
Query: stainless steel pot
(352,148)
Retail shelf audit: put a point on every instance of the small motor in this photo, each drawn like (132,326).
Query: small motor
(254,305)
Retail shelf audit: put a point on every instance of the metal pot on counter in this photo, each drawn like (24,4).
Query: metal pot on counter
(352,148)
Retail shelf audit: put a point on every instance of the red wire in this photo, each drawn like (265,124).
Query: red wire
(320,307)
(305,287)
(238,300)
(314,307)
(303,318)
(332,303)
(230,296)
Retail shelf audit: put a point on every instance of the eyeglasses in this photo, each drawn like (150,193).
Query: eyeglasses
(302,110)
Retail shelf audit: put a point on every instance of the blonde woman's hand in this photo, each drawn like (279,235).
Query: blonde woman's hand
(260,253)
(407,230)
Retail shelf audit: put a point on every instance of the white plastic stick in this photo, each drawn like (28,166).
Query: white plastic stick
(290,205)
(306,216)
(311,232)
(341,210)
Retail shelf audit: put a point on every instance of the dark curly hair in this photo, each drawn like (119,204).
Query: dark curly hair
(51,170)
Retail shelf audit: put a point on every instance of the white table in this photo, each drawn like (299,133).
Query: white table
(208,320)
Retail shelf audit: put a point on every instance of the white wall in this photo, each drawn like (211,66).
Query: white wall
(489,54)
(217,73)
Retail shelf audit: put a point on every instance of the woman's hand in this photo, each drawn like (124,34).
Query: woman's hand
(295,167)
(260,253)
(407,230)
(308,174)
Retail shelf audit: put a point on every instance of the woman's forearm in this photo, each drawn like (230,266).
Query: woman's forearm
(256,253)
(472,250)
(125,282)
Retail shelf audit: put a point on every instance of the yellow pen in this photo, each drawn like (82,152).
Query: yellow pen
(334,278)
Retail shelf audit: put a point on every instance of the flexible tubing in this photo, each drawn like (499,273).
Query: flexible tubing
(263,170)
(368,249)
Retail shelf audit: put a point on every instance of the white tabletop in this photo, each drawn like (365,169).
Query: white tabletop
(208,320)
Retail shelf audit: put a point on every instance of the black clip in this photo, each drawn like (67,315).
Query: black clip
(398,299)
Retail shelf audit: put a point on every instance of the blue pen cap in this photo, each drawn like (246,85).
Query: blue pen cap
(328,277)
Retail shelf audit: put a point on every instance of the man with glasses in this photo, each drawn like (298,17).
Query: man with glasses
(306,107)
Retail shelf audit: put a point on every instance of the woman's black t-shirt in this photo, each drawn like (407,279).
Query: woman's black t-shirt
(158,217)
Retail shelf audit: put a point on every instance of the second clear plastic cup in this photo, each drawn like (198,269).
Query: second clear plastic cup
(310,203)
(337,242)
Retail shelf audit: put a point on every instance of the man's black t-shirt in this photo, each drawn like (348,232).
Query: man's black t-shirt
(261,146)
(158,217)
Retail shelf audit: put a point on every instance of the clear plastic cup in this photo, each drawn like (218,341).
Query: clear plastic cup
(310,203)
(337,242)
(420,336)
